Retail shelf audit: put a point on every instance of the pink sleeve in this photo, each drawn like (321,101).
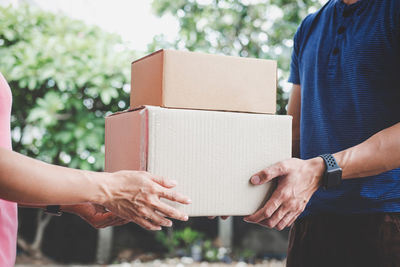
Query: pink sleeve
(8,210)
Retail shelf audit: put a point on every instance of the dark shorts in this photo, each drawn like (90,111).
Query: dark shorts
(345,241)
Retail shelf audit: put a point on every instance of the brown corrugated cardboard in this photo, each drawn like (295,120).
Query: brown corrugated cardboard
(179,79)
(211,154)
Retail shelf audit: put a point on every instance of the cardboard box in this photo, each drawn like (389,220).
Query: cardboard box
(211,154)
(178,79)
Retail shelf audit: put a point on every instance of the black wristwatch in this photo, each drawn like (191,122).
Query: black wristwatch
(54,210)
(332,176)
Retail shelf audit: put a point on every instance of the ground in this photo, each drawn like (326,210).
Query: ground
(175,262)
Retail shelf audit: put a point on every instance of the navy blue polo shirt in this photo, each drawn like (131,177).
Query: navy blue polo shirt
(347,60)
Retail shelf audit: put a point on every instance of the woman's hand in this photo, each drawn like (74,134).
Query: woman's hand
(96,215)
(130,195)
(135,196)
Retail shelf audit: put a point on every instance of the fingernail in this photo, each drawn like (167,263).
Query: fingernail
(185,218)
(255,179)
(188,200)
(168,224)
(174,182)
(245,219)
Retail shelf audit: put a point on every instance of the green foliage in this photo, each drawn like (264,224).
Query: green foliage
(246,254)
(248,28)
(65,77)
(188,236)
(179,239)
(168,240)
(210,252)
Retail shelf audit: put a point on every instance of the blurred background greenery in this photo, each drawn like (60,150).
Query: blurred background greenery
(66,76)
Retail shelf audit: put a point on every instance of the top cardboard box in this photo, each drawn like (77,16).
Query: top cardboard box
(180,79)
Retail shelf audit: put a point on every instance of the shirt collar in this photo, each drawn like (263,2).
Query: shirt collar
(357,7)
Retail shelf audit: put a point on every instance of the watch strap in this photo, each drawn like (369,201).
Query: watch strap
(330,161)
(333,173)
(54,210)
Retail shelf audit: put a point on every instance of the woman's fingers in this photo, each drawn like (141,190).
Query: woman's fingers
(148,211)
(158,219)
(146,224)
(164,182)
(174,196)
(108,219)
(117,222)
(169,211)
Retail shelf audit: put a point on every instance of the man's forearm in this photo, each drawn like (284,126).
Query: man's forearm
(26,180)
(378,154)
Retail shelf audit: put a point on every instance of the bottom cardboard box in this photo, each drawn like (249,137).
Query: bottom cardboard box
(211,154)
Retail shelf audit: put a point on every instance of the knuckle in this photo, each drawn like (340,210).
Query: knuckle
(154,202)
(292,205)
(142,211)
(298,207)
(285,194)
(156,220)
(285,165)
(263,173)
(281,168)
(153,189)
(269,224)
(163,180)
(148,198)
(173,213)
(281,213)
(173,196)
(267,213)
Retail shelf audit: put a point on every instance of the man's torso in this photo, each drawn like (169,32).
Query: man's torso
(348,63)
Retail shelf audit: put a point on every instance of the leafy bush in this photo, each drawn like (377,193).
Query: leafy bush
(179,240)
(189,242)
(248,28)
(65,76)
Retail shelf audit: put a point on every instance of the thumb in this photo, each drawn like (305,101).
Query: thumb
(268,174)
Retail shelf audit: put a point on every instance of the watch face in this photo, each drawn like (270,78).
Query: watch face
(333,178)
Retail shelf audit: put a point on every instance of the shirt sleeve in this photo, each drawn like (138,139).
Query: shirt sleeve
(294,65)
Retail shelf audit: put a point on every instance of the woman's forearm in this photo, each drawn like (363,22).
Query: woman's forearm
(27,180)
(378,154)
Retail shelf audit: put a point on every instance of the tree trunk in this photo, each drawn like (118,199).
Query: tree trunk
(104,245)
(225,232)
(34,249)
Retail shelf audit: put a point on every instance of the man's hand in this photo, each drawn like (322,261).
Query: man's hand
(96,215)
(297,180)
